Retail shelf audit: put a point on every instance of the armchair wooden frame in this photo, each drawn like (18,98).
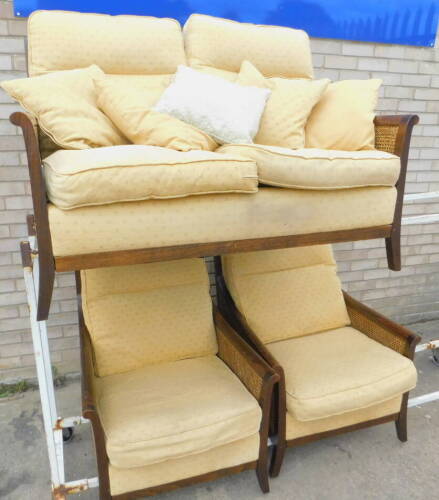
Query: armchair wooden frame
(392,134)
(364,319)
(257,376)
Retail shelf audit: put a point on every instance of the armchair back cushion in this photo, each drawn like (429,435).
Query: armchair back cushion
(287,293)
(128,45)
(144,314)
(212,42)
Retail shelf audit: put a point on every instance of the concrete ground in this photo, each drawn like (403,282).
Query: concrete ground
(363,465)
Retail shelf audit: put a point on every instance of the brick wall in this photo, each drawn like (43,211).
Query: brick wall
(411,85)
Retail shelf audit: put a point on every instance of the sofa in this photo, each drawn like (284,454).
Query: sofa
(250,196)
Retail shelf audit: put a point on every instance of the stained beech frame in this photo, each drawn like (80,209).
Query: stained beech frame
(364,319)
(392,134)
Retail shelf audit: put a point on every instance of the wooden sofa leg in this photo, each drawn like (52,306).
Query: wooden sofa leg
(401,421)
(393,250)
(262,475)
(277,459)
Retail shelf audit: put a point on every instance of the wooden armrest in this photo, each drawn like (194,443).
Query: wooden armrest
(382,329)
(247,365)
(393,132)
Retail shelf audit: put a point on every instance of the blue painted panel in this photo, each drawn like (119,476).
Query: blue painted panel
(407,22)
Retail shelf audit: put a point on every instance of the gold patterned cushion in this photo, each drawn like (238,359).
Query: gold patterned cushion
(287,109)
(319,168)
(216,217)
(173,410)
(339,371)
(132,172)
(281,299)
(129,108)
(224,44)
(60,40)
(343,118)
(64,103)
(148,314)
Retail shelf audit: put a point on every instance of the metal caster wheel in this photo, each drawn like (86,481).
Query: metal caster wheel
(67,434)
(435,357)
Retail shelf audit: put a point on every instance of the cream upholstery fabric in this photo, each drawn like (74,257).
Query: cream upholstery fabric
(172,410)
(318,168)
(221,217)
(343,118)
(64,103)
(338,371)
(127,173)
(229,455)
(288,107)
(147,314)
(118,44)
(297,428)
(284,301)
(129,107)
(224,44)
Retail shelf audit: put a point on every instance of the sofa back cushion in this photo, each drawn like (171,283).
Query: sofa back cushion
(151,313)
(128,45)
(287,293)
(213,42)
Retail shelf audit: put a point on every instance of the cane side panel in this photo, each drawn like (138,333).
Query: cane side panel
(385,138)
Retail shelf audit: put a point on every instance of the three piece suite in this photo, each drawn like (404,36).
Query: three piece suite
(179,390)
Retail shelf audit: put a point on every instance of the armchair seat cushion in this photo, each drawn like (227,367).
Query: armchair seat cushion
(136,172)
(172,410)
(319,168)
(338,371)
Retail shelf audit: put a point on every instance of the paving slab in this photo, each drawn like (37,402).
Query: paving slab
(362,465)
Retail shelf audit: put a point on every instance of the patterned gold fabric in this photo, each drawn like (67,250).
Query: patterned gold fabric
(134,172)
(139,315)
(319,168)
(285,301)
(287,109)
(343,118)
(229,455)
(298,428)
(220,217)
(60,40)
(224,44)
(64,103)
(339,371)
(172,410)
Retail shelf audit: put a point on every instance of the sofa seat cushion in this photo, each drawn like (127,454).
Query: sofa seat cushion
(172,410)
(338,371)
(133,172)
(219,217)
(148,313)
(319,168)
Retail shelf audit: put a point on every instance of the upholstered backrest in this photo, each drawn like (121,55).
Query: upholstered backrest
(128,45)
(211,42)
(151,313)
(287,293)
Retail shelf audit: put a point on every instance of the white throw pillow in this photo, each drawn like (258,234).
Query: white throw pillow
(227,111)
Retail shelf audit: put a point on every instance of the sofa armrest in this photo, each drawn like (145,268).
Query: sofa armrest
(393,132)
(245,363)
(382,329)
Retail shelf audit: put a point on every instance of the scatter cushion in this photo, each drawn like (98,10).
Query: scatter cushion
(64,103)
(129,45)
(286,293)
(171,410)
(343,118)
(146,314)
(338,371)
(288,107)
(230,113)
(224,44)
(129,106)
(132,172)
(318,168)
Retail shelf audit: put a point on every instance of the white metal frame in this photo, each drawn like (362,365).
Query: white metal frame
(54,424)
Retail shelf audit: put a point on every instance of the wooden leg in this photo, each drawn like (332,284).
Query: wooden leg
(262,475)
(401,421)
(277,459)
(46,283)
(393,249)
